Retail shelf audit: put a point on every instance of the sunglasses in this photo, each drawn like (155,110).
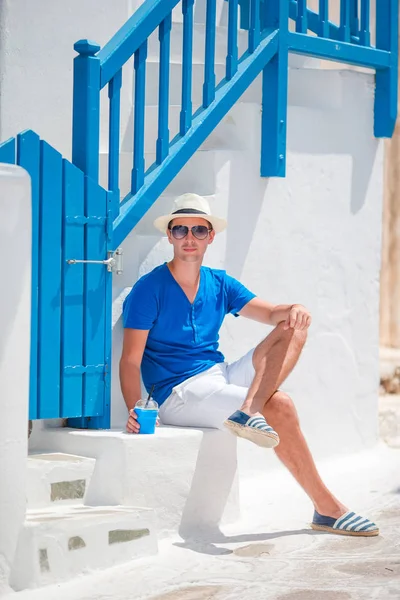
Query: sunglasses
(200,232)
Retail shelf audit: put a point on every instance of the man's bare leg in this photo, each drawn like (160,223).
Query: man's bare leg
(273,359)
(295,454)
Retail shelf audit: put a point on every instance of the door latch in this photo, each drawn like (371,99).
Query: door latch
(113,262)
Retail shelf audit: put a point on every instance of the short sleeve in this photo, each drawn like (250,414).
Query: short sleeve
(237,295)
(140,308)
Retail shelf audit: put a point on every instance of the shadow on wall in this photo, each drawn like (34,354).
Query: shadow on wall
(342,130)
(246,199)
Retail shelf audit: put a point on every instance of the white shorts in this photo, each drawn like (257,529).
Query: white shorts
(209,398)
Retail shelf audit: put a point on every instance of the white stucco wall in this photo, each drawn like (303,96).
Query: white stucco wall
(15,302)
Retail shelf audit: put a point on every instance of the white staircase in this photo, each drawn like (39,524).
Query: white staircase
(57,479)
(63,536)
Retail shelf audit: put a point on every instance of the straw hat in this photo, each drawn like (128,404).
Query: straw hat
(190,205)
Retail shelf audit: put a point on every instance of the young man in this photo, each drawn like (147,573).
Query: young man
(172,318)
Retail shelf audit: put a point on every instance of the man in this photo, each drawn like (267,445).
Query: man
(172,318)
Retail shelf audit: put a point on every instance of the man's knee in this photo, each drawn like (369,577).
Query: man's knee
(282,407)
(297,336)
(289,336)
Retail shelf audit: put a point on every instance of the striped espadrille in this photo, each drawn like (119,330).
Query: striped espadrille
(255,429)
(348,524)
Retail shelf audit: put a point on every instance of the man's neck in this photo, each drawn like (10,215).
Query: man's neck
(186,273)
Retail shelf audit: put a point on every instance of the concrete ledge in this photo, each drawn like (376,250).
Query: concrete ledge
(189,476)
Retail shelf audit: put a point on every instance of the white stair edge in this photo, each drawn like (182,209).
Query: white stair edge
(57,479)
(60,544)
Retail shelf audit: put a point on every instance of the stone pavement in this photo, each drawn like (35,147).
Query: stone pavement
(273,555)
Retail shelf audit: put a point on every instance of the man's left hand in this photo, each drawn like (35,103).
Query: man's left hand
(298,318)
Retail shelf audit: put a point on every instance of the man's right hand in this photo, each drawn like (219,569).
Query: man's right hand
(132,425)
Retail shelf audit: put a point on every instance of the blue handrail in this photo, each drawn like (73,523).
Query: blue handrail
(132,35)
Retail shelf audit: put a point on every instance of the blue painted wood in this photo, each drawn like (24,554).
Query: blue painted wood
(50,269)
(339,52)
(313,22)
(104,420)
(182,148)
(254,30)
(139,118)
(114,94)
(263,15)
(386,90)
(28,157)
(95,318)
(354,24)
(86,109)
(274,98)
(244,14)
(132,35)
(365,35)
(187,53)
(7,152)
(323,30)
(209,68)
(164,34)
(232,54)
(302,16)
(72,291)
(345,20)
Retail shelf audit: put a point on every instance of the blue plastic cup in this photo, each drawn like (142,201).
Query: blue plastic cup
(147,416)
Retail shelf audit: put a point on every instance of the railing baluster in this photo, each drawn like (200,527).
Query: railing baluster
(354,25)
(365,35)
(232,55)
(114,94)
(138,140)
(209,64)
(164,34)
(323,19)
(244,14)
(187,53)
(301,20)
(345,20)
(254,30)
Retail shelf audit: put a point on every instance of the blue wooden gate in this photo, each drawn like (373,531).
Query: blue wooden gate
(71,301)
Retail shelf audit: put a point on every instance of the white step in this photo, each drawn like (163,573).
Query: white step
(222,138)
(60,544)
(198,175)
(55,479)
(175,88)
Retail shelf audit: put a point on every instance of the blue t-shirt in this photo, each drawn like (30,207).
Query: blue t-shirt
(183,337)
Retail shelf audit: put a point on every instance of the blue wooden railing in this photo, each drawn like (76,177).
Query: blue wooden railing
(275,28)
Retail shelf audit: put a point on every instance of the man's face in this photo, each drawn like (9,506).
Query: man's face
(190,248)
